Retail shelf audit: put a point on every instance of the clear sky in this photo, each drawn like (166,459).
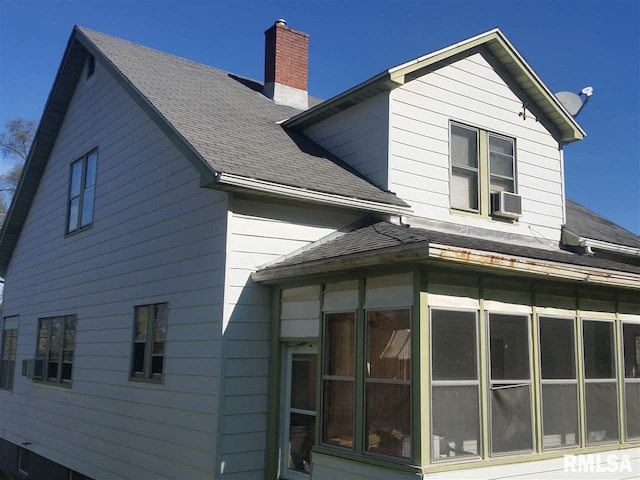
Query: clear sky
(570,44)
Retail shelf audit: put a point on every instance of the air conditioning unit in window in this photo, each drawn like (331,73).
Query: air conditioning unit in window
(506,204)
(33,368)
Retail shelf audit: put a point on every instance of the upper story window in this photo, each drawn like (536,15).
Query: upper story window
(482,163)
(56,343)
(82,186)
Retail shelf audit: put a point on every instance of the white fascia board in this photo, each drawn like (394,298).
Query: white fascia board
(540,82)
(311,195)
(443,50)
(536,267)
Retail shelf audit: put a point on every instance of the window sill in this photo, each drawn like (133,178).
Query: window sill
(150,381)
(477,462)
(399,465)
(78,230)
(45,383)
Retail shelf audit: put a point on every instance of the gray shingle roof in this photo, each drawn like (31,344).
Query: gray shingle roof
(230,124)
(588,224)
(383,235)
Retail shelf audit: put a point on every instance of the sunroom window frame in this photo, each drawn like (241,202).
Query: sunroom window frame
(591,381)
(477,383)
(514,383)
(626,380)
(577,381)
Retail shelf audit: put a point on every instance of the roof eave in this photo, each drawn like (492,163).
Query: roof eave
(497,44)
(312,196)
(50,122)
(464,257)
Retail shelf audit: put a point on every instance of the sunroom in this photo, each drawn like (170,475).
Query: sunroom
(392,359)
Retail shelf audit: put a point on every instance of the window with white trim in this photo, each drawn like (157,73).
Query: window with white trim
(82,185)
(482,163)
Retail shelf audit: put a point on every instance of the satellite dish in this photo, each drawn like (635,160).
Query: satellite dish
(570,101)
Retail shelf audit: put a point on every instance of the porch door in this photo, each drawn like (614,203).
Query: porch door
(300,414)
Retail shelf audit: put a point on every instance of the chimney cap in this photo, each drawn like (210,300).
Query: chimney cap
(281,21)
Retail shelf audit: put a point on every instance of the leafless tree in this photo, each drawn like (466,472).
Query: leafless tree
(15,142)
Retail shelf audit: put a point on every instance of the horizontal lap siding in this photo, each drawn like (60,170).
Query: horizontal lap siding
(359,137)
(471,92)
(156,237)
(260,231)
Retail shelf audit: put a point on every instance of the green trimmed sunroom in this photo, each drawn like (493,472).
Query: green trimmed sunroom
(435,367)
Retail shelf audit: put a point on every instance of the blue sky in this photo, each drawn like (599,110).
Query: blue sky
(570,44)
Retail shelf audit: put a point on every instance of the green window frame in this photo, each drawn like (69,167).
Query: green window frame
(149,338)
(370,367)
(481,162)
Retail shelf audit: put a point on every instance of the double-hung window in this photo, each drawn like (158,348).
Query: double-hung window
(150,331)
(482,163)
(82,186)
(8,362)
(56,343)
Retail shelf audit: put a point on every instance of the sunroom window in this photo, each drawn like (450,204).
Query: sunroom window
(510,399)
(631,340)
(338,379)
(388,383)
(455,385)
(600,389)
(559,383)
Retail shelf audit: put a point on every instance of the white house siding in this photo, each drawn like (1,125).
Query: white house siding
(259,231)
(156,237)
(359,137)
(471,92)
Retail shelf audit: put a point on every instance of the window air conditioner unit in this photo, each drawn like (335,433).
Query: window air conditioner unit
(33,368)
(506,204)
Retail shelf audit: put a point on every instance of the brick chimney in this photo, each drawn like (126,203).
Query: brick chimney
(286,64)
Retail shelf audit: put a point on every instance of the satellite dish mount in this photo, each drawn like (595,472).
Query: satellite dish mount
(574,103)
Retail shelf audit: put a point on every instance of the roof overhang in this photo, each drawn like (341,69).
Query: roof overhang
(306,195)
(431,253)
(511,61)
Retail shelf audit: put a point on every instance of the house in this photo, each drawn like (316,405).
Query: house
(211,277)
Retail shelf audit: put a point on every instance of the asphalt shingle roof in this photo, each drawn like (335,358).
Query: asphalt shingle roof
(231,124)
(384,235)
(588,224)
